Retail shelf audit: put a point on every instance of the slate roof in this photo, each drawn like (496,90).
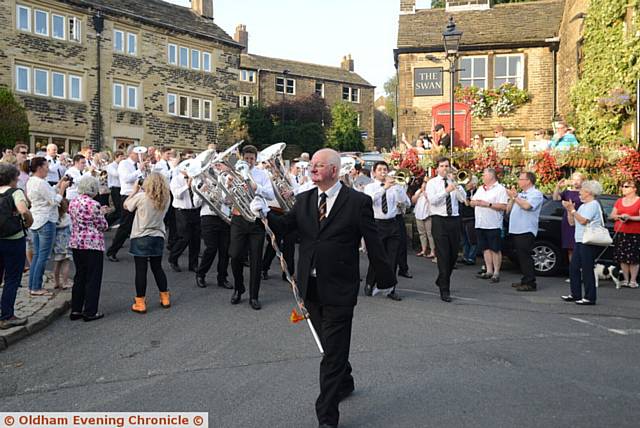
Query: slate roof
(524,24)
(298,68)
(163,14)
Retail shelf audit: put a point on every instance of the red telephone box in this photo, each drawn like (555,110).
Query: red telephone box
(461,120)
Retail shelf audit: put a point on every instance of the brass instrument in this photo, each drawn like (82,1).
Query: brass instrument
(271,157)
(459,176)
(402,176)
(140,150)
(347,163)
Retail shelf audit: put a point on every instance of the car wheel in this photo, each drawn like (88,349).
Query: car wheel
(546,258)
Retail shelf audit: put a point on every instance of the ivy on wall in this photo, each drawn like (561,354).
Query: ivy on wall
(610,68)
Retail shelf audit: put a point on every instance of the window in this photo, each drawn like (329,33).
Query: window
(206,61)
(172,52)
(508,69)
(245,100)
(248,76)
(41,82)
(118,95)
(118,41)
(58,85)
(350,94)
(195,108)
(206,110)
(290,86)
(195,59)
(358,118)
(132,44)
(183,107)
(184,57)
(75,26)
(23,79)
(23,18)
(132,97)
(346,94)
(41,22)
(474,71)
(75,88)
(320,89)
(171,103)
(57,27)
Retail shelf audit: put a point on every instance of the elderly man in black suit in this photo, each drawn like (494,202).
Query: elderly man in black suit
(331,219)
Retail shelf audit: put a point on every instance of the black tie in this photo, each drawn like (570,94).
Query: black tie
(322,208)
(449,208)
(385,204)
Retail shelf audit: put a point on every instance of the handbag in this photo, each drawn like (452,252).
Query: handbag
(596,234)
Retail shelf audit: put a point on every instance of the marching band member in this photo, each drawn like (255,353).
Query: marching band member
(403,204)
(187,221)
(249,236)
(165,167)
(385,208)
(56,168)
(286,242)
(76,172)
(113,182)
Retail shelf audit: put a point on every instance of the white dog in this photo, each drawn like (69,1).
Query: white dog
(611,272)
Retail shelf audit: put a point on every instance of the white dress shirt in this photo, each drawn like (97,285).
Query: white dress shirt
(375,190)
(307,185)
(128,172)
(180,191)
(164,168)
(44,202)
(205,208)
(72,190)
(402,198)
(56,170)
(113,179)
(486,217)
(437,196)
(332,195)
(421,211)
(262,180)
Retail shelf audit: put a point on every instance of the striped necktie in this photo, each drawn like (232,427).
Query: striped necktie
(322,208)
(385,204)
(449,208)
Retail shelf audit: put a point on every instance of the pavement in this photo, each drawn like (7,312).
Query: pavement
(494,357)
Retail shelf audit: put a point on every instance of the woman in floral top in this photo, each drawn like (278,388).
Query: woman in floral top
(87,243)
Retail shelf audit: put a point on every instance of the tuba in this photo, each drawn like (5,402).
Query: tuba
(274,166)
(205,184)
(347,163)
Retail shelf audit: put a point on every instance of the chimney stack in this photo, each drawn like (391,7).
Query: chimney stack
(242,37)
(203,8)
(347,63)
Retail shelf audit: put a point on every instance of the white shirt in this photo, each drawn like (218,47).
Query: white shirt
(437,197)
(44,202)
(128,172)
(332,195)
(307,185)
(56,170)
(73,172)
(164,168)
(421,210)
(205,208)
(180,191)
(262,180)
(113,179)
(375,190)
(501,144)
(486,217)
(403,198)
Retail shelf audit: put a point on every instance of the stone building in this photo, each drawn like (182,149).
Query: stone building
(383,124)
(272,80)
(157,74)
(515,43)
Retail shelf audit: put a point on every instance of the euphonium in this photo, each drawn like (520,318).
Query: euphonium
(274,166)
(205,182)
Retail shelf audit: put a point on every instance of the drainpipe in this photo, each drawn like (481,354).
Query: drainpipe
(554,47)
(98,25)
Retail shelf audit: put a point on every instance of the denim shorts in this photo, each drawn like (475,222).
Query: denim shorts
(146,246)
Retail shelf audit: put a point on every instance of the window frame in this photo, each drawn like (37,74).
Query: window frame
(175,52)
(472,78)
(135,44)
(47,24)
(180,48)
(64,85)
(71,78)
(519,72)
(29,18)
(175,104)
(321,94)
(135,97)
(195,53)
(64,26)
(35,82)
(191,101)
(355,91)
(74,36)
(187,114)
(122,95)
(28,71)
(208,56)
(115,38)
(204,109)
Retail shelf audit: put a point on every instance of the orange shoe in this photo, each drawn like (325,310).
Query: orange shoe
(139,306)
(164,299)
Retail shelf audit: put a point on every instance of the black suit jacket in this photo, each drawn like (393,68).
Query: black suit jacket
(334,246)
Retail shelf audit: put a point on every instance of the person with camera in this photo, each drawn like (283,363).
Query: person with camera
(74,174)
(626,246)
(13,203)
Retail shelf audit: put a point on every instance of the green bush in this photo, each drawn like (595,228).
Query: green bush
(344,134)
(14,124)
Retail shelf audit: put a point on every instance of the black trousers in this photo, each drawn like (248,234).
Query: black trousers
(401,260)
(87,281)
(117,204)
(123,232)
(188,223)
(333,324)
(245,236)
(171,224)
(287,244)
(389,235)
(446,236)
(523,246)
(216,235)
(141,274)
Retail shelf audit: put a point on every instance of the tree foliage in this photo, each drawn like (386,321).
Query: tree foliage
(390,89)
(344,134)
(14,124)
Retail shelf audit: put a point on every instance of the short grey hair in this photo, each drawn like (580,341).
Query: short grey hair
(88,185)
(493,172)
(8,173)
(593,187)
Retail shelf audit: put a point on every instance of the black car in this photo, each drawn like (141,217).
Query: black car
(549,257)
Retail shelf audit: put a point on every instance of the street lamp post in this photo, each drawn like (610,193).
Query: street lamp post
(451,39)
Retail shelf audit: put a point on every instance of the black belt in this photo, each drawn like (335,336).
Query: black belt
(446,217)
(385,220)
(187,209)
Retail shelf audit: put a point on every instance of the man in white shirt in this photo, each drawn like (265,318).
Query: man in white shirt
(490,202)
(56,169)
(187,221)
(443,195)
(129,172)
(383,191)
(404,203)
(166,166)
(113,182)
(76,172)
(248,237)
(500,143)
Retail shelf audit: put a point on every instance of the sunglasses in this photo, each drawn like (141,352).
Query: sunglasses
(24,153)
(627,186)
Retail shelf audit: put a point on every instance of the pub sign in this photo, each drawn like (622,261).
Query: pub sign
(427,81)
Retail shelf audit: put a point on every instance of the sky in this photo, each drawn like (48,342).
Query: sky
(320,31)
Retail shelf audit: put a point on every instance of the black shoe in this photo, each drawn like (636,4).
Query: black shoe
(494,279)
(482,270)
(74,316)
(327,426)
(236,297)
(368,290)
(342,394)
(484,275)
(225,284)
(255,304)
(445,296)
(394,296)
(175,267)
(526,287)
(405,274)
(200,282)
(569,298)
(516,284)
(93,317)
(264,275)
(469,262)
(112,258)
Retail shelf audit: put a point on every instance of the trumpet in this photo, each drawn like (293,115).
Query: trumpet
(459,176)
(140,150)
(402,176)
